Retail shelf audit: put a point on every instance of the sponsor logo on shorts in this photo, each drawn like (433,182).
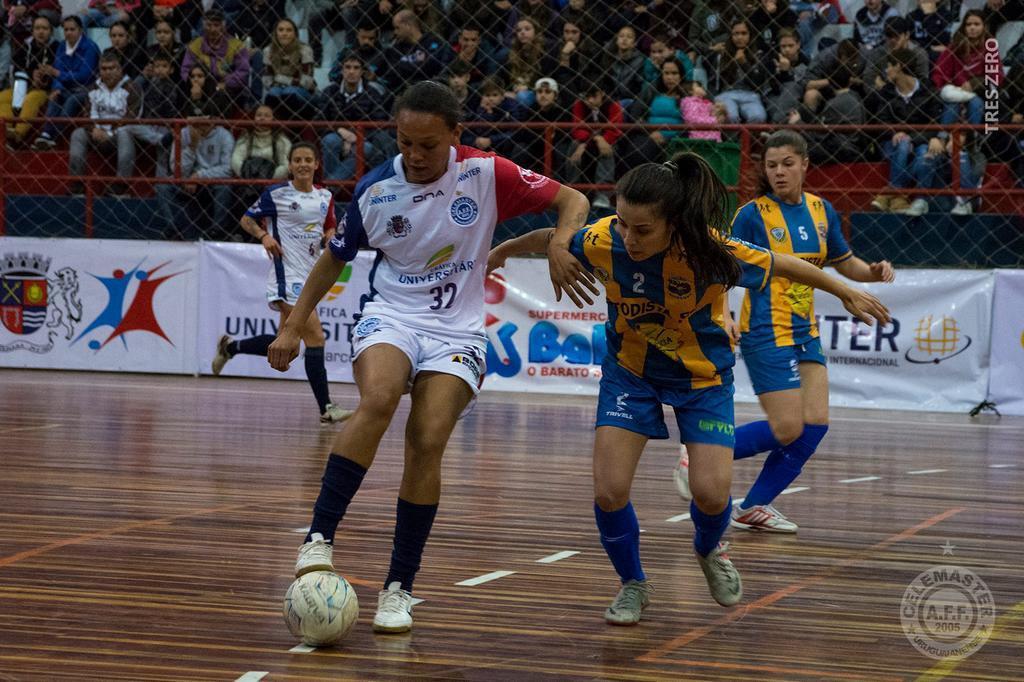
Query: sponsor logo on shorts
(296,288)
(464,211)
(621,408)
(468,361)
(716,426)
(399,226)
(367,326)
(679,287)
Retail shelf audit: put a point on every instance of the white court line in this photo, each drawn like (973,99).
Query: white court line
(860,480)
(678,518)
(795,489)
(302,649)
(486,578)
(927,471)
(557,556)
(252,676)
(43,427)
(301,530)
(1001,466)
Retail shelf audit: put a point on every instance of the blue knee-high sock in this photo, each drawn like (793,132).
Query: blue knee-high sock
(316,374)
(620,536)
(412,527)
(754,438)
(256,345)
(342,478)
(784,465)
(709,527)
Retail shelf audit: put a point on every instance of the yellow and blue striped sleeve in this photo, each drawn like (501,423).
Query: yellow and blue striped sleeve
(838,249)
(577,250)
(755,263)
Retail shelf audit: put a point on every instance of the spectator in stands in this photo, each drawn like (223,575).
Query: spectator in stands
(670,21)
(897,37)
(786,67)
(186,15)
(31,87)
(931,23)
(336,17)
(593,157)
(21,16)
(457,77)
(960,71)
(624,66)
(132,56)
(549,108)
(571,57)
(495,107)
(433,20)
(114,96)
(844,55)
(261,153)
(161,98)
(376,13)
(523,67)
(869,22)
(106,13)
(995,13)
(288,72)
(166,44)
(709,28)
(579,13)
(767,20)
(369,51)
(468,50)
(934,170)
(73,71)
(904,100)
(225,58)
(202,97)
(255,26)
(660,50)
(616,15)
(356,99)
(697,108)
(736,76)
(194,210)
(415,55)
(812,16)
(659,103)
(844,107)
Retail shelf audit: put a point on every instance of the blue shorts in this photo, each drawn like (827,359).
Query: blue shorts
(777,368)
(704,415)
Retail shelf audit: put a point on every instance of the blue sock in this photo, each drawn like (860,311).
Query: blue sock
(341,480)
(754,438)
(709,528)
(784,465)
(256,345)
(620,536)
(412,527)
(316,374)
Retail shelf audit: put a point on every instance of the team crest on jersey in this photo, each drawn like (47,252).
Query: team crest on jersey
(464,211)
(679,287)
(294,206)
(532,180)
(778,234)
(323,208)
(399,226)
(820,227)
(367,326)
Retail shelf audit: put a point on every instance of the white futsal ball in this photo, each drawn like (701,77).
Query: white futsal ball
(320,608)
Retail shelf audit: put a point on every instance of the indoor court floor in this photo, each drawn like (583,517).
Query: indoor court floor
(148,528)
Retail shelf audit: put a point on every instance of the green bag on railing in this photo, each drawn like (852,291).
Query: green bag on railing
(723,157)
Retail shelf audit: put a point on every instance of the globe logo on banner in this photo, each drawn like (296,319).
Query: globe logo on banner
(936,340)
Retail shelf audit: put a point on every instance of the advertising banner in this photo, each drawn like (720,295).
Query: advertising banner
(1006,386)
(108,305)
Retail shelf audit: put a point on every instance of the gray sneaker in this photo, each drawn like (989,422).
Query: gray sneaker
(221,357)
(632,599)
(334,414)
(723,578)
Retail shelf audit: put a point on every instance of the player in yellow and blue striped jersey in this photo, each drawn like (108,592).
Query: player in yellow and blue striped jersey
(665,262)
(778,334)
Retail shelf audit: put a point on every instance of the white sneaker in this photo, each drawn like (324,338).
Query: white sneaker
(681,474)
(962,208)
(221,357)
(334,414)
(918,207)
(394,610)
(761,517)
(315,555)
(723,578)
(629,603)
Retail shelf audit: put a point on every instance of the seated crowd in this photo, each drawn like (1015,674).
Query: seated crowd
(582,62)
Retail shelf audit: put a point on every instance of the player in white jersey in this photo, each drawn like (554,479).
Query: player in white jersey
(430,213)
(292,221)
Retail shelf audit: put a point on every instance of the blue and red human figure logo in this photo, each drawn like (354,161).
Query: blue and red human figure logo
(139,315)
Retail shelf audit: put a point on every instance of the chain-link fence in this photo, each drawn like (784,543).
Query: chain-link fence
(918,147)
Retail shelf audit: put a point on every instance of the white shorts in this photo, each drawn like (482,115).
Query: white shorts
(425,353)
(284,287)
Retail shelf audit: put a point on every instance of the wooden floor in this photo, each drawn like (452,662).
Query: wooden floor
(148,527)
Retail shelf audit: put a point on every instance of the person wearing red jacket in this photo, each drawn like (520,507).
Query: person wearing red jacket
(969,68)
(594,147)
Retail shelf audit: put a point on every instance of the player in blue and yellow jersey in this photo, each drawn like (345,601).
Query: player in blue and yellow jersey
(665,262)
(778,334)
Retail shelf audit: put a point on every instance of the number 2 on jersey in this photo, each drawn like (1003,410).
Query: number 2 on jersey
(439,293)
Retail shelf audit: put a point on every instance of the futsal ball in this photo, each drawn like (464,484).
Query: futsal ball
(320,608)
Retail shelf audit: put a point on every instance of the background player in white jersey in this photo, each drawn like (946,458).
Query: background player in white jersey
(292,221)
(430,212)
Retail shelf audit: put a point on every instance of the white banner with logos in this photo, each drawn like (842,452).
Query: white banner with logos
(934,356)
(1006,386)
(108,305)
(234,302)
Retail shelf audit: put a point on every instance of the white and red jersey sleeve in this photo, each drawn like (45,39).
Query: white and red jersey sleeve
(331,219)
(519,190)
